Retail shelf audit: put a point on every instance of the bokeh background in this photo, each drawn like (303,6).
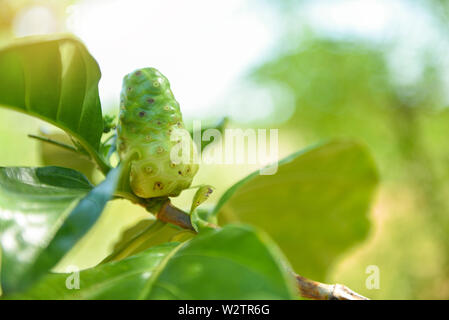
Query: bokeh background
(377,71)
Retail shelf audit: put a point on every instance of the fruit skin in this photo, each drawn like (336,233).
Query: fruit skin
(149,114)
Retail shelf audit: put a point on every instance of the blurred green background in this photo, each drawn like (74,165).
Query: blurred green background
(377,71)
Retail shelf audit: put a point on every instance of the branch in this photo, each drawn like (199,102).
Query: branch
(307,288)
(320,291)
(171,214)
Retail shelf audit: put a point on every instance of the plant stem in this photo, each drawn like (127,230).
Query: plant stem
(101,163)
(307,288)
(171,214)
(320,291)
(92,155)
(54,142)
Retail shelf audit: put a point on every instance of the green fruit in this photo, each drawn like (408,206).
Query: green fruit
(149,114)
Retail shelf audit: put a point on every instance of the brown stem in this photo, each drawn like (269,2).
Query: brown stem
(171,214)
(320,291)
(307,288)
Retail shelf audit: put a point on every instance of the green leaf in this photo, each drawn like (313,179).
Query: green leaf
(235,262)
(202,219)
(126,279)
(55,79)
(315,207)
(201,195)
(43,213)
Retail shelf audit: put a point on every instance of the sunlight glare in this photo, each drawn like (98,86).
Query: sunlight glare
(203,47)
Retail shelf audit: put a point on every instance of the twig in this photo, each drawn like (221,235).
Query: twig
(307,288)
(320,291)
(89,154)
(171,214)
(54,142)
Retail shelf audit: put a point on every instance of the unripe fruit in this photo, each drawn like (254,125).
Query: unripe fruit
(149,114)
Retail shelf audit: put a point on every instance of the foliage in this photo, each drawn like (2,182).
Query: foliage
(320,197)
(347,87)
(321,194)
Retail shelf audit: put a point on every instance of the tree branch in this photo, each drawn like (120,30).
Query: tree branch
(320,291)
(307,288)
(171,214)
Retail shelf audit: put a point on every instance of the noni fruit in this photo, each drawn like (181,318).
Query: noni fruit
(149,115)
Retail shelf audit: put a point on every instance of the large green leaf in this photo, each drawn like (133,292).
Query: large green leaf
(315,207)
(125,279)
(43,213)
(54,78)
(235,262)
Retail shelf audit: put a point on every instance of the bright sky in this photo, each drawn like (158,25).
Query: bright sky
(206,47)
(202,46)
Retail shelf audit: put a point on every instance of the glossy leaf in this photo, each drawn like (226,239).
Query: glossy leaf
(126,279)
(315,207)
(235,262)
(43,213)
(54,79)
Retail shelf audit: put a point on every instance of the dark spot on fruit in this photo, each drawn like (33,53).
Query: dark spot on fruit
(129,88)
(141,114)
(150,100)
(138,73)
(180,173)
(158,186)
